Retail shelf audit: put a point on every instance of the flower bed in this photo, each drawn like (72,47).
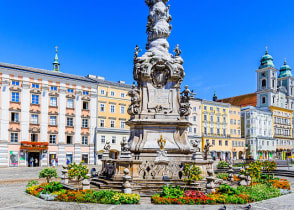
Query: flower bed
(224,195)
(54,189)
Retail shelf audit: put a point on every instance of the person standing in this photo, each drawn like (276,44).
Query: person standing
(56,161)
(36,162)
(32,162)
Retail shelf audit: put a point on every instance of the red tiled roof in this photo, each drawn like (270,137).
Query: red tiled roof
(242,100)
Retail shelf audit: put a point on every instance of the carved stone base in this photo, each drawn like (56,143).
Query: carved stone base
(197,156)
(126,155)
(161,157)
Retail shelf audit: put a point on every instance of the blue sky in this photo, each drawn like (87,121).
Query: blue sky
(221,41)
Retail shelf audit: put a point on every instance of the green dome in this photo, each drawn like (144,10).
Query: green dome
(285,71)
(266,61)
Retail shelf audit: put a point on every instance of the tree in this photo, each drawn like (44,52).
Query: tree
(78,172)
(48,173)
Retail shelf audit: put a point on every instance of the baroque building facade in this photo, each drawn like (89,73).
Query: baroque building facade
(46,117)
(113,103)
(221,128)
(268,120)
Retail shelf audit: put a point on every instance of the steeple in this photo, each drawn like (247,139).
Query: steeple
(56,63)
(214,98)
(285,70)
(266,60)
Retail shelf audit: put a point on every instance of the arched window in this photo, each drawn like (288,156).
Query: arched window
(263,83)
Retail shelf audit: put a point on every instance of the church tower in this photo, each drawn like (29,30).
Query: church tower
(266,82)
(285,84)
(56,63)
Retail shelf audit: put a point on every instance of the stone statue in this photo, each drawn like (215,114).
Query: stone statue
(137,51)
(107,146)
(134,108)
(186,96)
(124,145)
(195,145)
(207,155)
(177,50)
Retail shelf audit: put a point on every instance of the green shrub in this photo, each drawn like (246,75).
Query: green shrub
(223,176)
(222,164)
(32,183)
(52,187)
(48,173)
(78,172)
(172,192)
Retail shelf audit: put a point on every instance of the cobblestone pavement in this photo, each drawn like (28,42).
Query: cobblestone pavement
(12,196)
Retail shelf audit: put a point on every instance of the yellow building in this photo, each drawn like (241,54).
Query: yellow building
(217,128)
(113,104)
(283,127)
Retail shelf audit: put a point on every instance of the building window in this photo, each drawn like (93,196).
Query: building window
(122,124)
(85,123)
(84,140)
(112,93)
(85,93)
(15,97)
(102,92)
(52,139)
(15,83)
(14,117)
(35,99)
(217,109)
(122,109)
(263,83)
(194,118)
(113,140)
(122,95)
(213,142)
(195,130)
(205,117)
(190,129)
(85,105)
(70,90)
(218,131)
(69,122)
(205,131)
(53,101)
(102,107)
(53,120)
(225,132)
(34,119)
(263,99)
(205,107)
(112,108)
(112,123)
(14,137)
(102,123)
(102,139)
(53,88)
(218,119)
(194,109)
(69,140)
(211,118)
(220,142)
(224,111)
(35,85)
(85,158)
(225,120)
(34,137)
(226,143)
(211,130)
(70,103)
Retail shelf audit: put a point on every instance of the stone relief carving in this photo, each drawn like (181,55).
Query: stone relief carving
(134,107)
(160,73)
